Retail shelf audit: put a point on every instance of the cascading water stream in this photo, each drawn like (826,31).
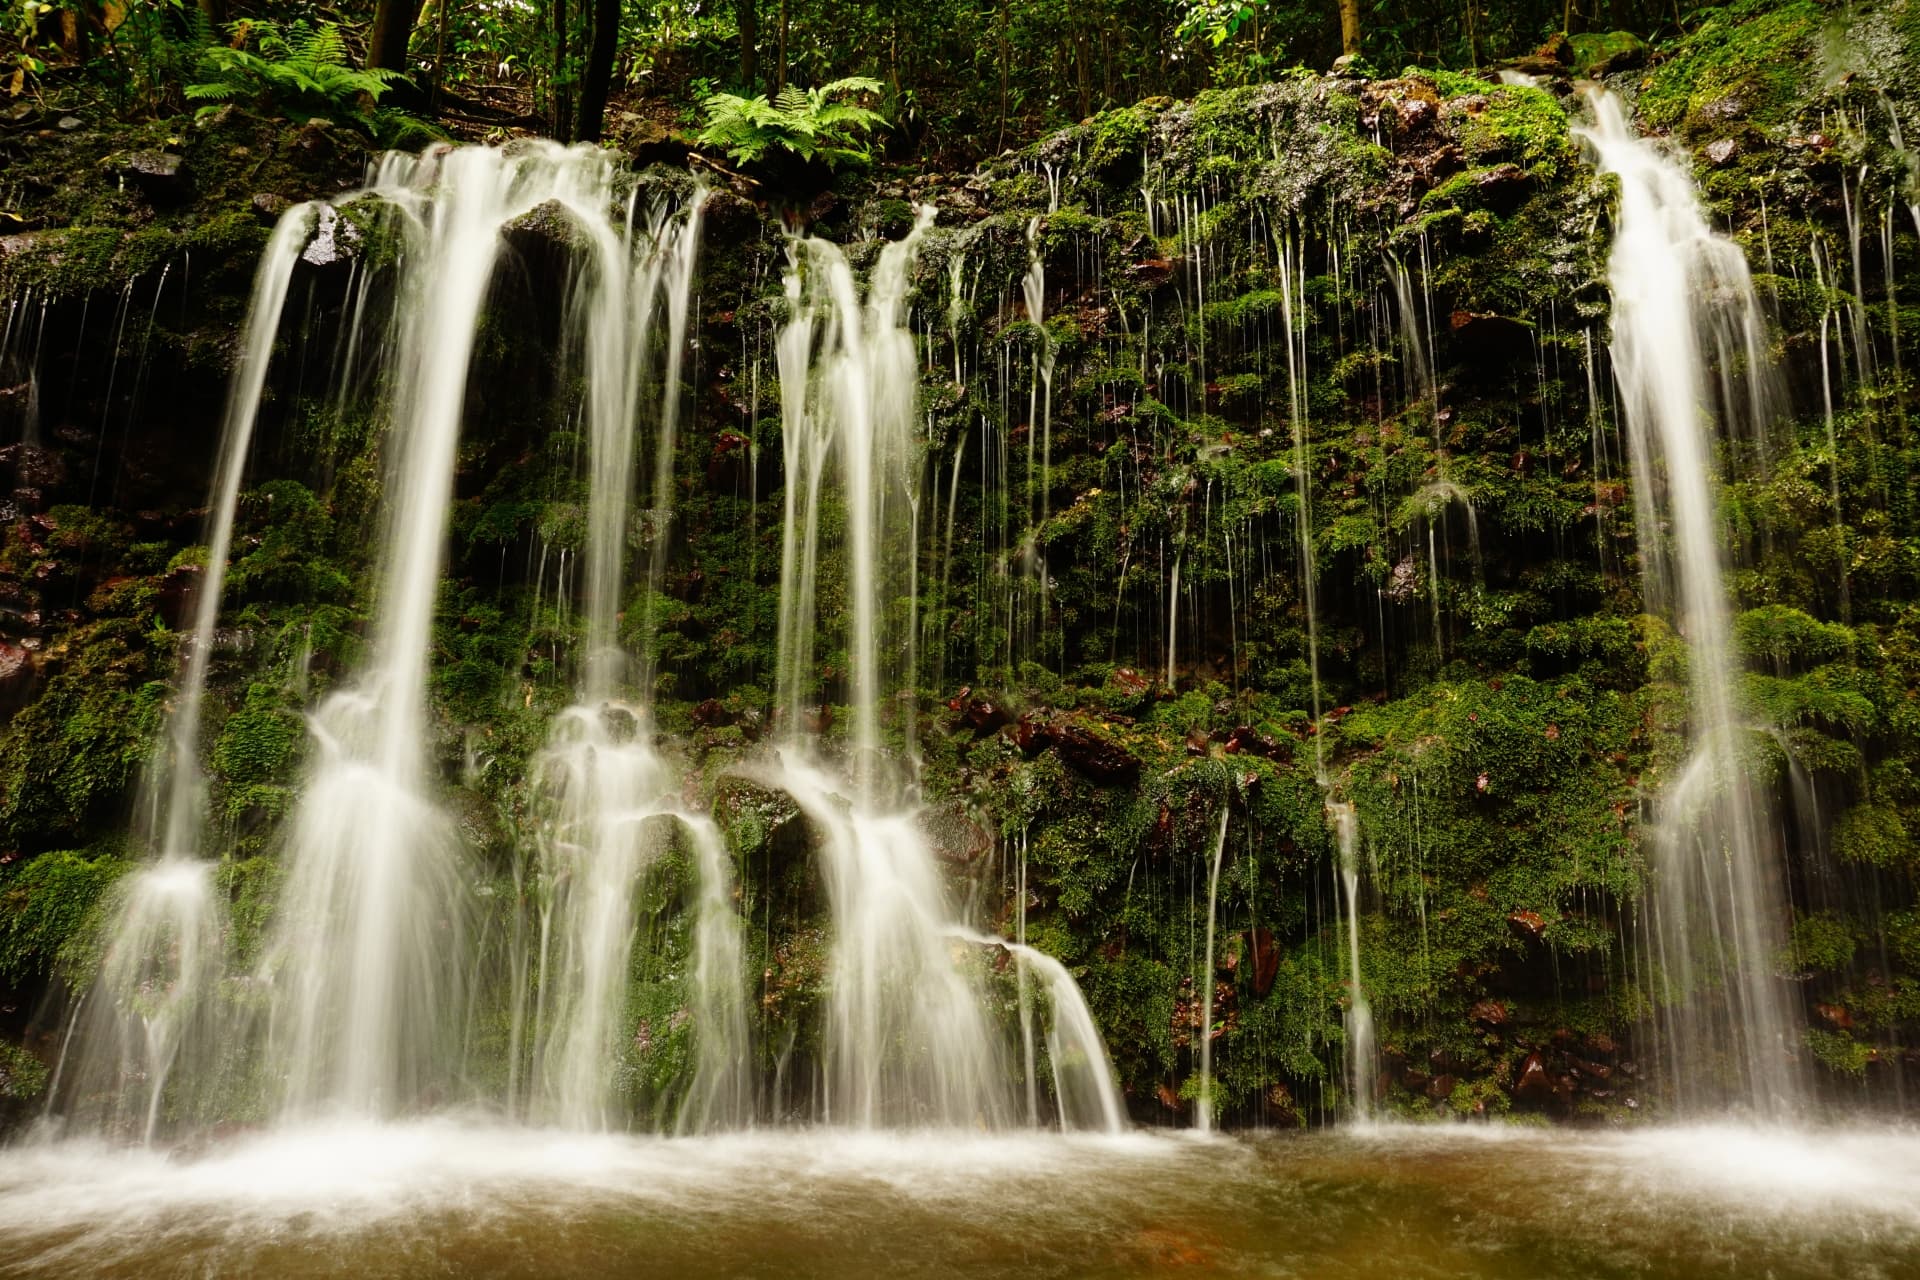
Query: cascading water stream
(152,996)
(1203,1117)
(1363,1069)
(370,950)
(606,795)
(1682,296)
(907,1039)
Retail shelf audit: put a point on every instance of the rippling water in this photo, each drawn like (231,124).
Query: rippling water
(445,1197)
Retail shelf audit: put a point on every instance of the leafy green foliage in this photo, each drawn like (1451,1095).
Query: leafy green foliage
(813,124)
(303,71)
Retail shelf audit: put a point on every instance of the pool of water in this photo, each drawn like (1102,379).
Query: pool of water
(449,1197)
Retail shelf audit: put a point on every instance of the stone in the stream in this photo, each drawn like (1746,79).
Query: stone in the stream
(334,240)
(1601,53)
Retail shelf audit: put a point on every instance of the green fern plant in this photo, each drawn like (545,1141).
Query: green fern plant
(813,124)
(304,72)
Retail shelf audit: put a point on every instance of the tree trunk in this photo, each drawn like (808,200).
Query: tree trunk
(747,13)
(1350,26)
(599,77)
(392,28)
(780,73)
(562,98)
(1001,144)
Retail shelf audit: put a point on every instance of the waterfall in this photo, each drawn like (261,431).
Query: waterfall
(607,799)
(907,1039)
(151,1010)
(151,999)
(1686,324)
(1362,1068)
(370,951)
(177,826)
(1203,1110)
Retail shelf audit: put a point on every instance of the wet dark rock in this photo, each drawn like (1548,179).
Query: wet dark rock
(1127,680)
(984,714)
(1834,1016)
(1244,741)
(1266,960)
(16,674)
(1528,924)
(1080,746)
(1489,338)
(647,141)
(334,240)
(1534,1084)
(1198,743)
(711,713)
(1489,1013)
(620,721)
(1503,188)
(548,226)
(1601,53)
(268,207)
(177,591)
(954,834)
(1440,1088)
(730,465)
(34,467)
(160,175)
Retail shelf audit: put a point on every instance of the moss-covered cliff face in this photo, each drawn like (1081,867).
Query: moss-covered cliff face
(1317,385)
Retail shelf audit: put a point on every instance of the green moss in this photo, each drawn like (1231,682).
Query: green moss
(47,908)
(1756,54)
(1876,835)
(1822,942)
(72,753)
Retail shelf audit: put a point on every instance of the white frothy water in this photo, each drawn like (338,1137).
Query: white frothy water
(1363,1068)
(151,1009)
(153,998)
(1690,357)
(605,795)
(372,942)
(907,1038)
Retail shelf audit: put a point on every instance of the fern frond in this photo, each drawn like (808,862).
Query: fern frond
(850,84)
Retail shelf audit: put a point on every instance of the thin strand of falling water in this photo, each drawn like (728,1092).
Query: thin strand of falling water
(1203,1109)
(1718,894)
(180,817)
(1362,1067)
(1083,1080)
